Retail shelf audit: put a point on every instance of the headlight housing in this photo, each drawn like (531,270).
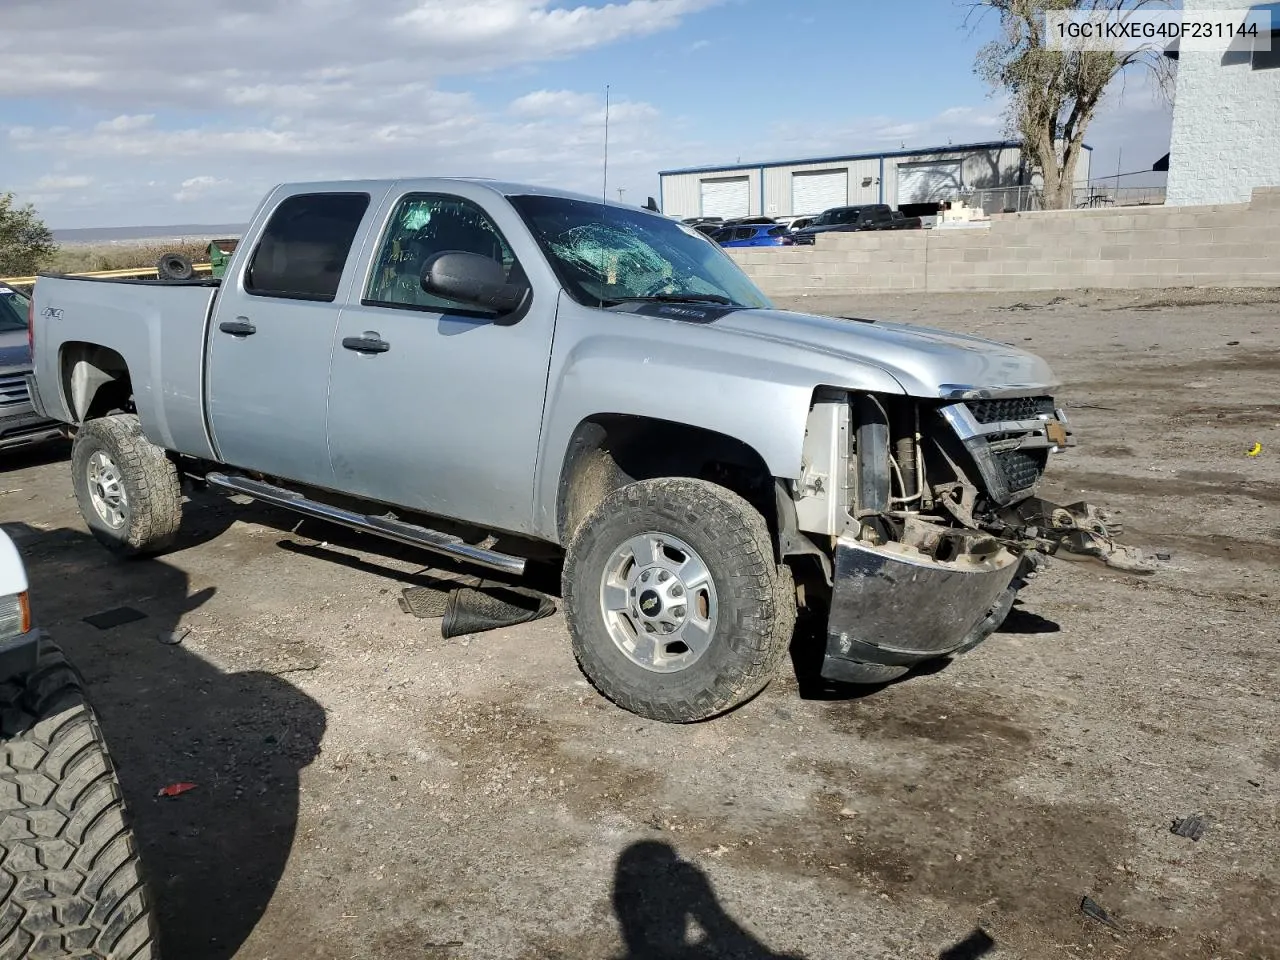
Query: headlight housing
(15,615)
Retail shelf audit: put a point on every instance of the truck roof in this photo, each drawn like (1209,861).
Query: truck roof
(428,184)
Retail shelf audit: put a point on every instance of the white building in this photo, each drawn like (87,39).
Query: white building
(1226,118)
(915,181)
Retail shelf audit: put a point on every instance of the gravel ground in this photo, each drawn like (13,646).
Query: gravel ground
(368,789)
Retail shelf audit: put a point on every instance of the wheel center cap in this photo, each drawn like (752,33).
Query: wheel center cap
(650,604)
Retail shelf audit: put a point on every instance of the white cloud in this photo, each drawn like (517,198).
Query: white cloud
(254,92)
(195,187)
(547,103)
(126,122)
(249,52)
(63,183)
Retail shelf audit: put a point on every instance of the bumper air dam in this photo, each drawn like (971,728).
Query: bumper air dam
(893,607)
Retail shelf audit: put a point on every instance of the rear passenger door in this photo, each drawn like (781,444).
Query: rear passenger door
(272,334)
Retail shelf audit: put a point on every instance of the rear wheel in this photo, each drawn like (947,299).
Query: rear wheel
(127,488)
(677,609)
(71,883)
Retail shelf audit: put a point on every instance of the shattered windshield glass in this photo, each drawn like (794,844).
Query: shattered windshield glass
(607,255)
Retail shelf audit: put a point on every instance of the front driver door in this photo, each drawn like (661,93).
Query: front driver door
(433,405)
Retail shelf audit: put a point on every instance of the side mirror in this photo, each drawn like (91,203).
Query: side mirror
(472,279)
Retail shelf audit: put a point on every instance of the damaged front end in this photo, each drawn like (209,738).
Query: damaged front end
(934,522)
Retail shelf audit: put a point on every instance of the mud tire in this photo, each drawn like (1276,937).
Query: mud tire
(174,266)
(756,599)
(71,883)
(153,493)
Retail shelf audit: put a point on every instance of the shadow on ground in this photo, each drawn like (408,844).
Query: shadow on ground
(658,898)
(214,855)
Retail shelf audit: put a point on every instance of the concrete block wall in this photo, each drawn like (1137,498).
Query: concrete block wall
(1126,248)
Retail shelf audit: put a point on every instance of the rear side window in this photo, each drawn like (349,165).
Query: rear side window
(305,245)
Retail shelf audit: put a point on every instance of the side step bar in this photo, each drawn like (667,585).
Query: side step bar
(396,530)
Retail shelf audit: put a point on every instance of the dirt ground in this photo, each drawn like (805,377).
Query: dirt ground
(367,789)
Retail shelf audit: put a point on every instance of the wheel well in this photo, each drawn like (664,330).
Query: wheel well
(95,381)
(609,451)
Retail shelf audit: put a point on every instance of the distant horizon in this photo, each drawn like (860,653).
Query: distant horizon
(171,231)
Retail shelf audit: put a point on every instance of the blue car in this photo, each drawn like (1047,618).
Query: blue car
(753,235)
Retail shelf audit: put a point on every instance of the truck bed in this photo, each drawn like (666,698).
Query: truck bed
(158,327)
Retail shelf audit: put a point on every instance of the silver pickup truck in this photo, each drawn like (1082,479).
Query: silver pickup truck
(484,369)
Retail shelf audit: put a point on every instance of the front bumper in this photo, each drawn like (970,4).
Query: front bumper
(893,607)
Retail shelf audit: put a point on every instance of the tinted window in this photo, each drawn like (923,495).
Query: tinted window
(13,310)
(423,226)
(305,245)
(777,231)
(837,215)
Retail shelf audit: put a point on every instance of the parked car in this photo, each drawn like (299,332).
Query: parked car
(797,222)
(495,372)
(901,221)
(749,221)
(873,216)
(20,425)
(760,235)
(76,886)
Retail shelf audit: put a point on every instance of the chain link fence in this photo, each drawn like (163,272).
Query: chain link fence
(1093,196)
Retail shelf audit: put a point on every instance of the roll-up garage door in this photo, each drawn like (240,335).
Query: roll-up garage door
(727,197)
(929,182)
(818,191)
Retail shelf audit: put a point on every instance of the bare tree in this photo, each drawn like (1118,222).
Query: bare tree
(1054,94)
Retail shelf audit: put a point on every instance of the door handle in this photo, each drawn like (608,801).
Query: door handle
(366,344)
(238,328)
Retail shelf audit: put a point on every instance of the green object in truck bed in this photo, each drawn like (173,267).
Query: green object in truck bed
(220,252)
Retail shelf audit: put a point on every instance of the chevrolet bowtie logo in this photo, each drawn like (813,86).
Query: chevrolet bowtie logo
(649,605)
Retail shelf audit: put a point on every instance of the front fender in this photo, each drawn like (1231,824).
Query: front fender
(753,391)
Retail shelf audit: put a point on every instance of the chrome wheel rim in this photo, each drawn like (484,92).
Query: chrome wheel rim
(106,490)
(659,602)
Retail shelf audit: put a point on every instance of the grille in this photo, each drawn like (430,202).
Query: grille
(1021,469)
(13,390)
(1014,408)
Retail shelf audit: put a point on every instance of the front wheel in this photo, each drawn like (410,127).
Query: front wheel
(127,488)
(676,606)
(71,884)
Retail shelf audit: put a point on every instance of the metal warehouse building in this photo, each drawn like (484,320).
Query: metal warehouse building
(915,181)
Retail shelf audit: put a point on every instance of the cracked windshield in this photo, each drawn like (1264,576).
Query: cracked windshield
(608,255)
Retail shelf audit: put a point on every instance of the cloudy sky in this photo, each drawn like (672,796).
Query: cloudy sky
(125,112)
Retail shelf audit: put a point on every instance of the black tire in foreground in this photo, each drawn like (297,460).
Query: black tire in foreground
(127,488)
(71,884)
(676,606)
